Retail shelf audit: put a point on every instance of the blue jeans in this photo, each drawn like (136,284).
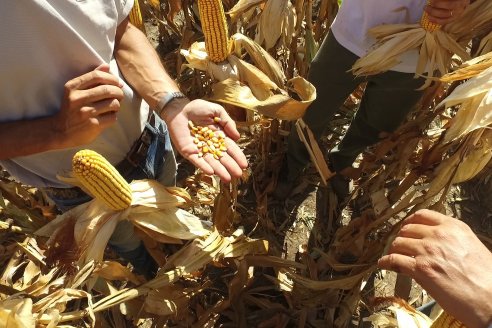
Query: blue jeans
(159,165)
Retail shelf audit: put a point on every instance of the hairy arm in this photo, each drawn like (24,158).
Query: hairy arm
(88,106)
(143,70)
(27,137)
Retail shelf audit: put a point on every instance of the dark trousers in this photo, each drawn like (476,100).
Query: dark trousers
(387,100)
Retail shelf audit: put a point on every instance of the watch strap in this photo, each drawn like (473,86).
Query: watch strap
(167,98)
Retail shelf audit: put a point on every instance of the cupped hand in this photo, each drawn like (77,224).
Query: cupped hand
(201,112)
(445,11)
(449,261)
(89,105)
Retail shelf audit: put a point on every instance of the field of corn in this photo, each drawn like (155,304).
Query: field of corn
(229,254)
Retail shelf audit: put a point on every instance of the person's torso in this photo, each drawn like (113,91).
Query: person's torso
(46,43)
(356,17)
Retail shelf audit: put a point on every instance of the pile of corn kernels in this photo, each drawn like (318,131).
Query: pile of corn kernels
(208,141)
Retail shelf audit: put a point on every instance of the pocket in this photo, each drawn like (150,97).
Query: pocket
(159,148)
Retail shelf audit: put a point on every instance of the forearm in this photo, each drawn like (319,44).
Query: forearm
(140,64)
(28,137)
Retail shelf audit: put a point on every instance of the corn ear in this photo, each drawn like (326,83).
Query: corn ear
(214,25)
(136,16)
(428,25)
(101,179)
(446,321)
(155,4)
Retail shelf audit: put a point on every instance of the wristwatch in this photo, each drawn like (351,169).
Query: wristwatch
(167,98)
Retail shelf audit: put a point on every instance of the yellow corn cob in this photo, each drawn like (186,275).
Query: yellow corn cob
(155,3)
(136,16)
(101,179)
(427,25)
(446,321)
(214,26)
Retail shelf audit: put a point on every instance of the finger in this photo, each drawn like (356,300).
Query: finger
(405,246)
(231,166)
(227,124)
(218,168)
(448,4)
(398,263)
(438,13)
(236,153)
(102,107)
(103,68)
(412,230)
(201,163)
(94,78)
(99,93)
(105,120)
(425,217)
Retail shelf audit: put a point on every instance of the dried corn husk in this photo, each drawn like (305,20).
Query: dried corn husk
(277,106)
(276,20)
(153,209)
(435,48)
(243,6)
(246,86)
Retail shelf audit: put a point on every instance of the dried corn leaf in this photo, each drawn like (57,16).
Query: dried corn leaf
(485,45)
(278,106)
(169,300)
(59,299)
(475,100)
(16,313)
(111,270)
(475,159)
(469,69)
(345,283)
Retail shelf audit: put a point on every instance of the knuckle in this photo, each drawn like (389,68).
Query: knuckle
(426,268)
(430,248)
(440,234)
(391,263)
(72,97)
(69,86)
(114,105)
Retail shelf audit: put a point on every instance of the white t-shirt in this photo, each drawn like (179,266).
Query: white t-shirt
(46,43)
(356,17)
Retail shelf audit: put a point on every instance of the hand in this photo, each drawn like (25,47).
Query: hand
(445,11)
(448,260)
(201,112)
(90,103)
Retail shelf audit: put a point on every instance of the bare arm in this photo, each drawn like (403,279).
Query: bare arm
(142,69)
(89,105)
